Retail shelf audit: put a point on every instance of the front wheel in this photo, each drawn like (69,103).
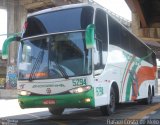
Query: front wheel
(109,109)
(56,111)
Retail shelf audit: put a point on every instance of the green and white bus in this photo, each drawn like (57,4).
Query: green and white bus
(78,56)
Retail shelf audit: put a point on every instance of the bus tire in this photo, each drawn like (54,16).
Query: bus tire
(148,100)
(109,109)
(56,111)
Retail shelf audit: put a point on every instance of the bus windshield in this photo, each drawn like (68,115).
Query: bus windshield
(59,21)
(54,56)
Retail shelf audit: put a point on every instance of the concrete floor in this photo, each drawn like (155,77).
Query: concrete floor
(11,112)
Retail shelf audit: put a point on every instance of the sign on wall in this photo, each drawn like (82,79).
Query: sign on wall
(11,78)
(2,83)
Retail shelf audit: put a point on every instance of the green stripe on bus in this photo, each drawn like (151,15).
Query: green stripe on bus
(123,76)
(126,73)
(130,82)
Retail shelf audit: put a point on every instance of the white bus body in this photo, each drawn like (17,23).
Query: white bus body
(118,68)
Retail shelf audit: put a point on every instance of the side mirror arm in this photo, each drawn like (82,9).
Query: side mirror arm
(6,44)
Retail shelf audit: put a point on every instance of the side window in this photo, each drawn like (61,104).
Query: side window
(149,57)
(101,39)
(101,29)
(125,39)
(158,73)
(154,59)
(142,50)
(114,32)
(135,44)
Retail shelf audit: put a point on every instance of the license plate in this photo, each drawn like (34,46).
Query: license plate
(49,102)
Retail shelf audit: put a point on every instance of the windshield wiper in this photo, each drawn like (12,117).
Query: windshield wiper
(61,69)
(36,65)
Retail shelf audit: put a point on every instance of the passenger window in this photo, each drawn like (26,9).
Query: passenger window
(154,59)
(114,32)
(125,41)
(101,29)
(101,39)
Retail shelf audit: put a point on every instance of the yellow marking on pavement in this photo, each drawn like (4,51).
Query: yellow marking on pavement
(141,114)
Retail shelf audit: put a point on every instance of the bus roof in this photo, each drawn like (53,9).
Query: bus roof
(58,8)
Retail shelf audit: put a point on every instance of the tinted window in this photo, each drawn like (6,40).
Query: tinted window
(158,74)
(59,21)
(119,36)
(114,32)
(101,28)
(135,44)
(125,41)
(154,59)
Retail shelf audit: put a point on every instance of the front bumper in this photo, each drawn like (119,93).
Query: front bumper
(64,101)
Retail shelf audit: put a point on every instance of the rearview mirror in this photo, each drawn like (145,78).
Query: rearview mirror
(89,36)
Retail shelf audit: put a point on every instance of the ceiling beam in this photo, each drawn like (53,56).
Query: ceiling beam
(136,8)
(130,3)
(140,13)
(34,5)
(150,39)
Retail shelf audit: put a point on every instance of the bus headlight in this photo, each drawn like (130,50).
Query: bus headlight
(80,89)
(24,93)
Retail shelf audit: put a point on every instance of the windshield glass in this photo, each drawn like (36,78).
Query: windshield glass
(59,21)
(54,56)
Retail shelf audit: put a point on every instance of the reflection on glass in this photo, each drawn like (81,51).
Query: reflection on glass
(54,56)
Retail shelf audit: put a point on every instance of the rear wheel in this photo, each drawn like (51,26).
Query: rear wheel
(147,100)
(109,109)
(56,111)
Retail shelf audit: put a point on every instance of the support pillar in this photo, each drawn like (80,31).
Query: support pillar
(135,24)
(16,18)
